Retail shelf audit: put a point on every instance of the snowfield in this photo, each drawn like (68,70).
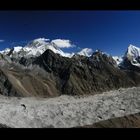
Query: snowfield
(68,111)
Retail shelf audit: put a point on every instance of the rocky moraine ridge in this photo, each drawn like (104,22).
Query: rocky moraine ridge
(70,111)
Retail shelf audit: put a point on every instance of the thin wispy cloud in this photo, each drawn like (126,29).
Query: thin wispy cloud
(1,40)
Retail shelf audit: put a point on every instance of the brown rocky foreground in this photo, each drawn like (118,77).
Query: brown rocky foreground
(130,121)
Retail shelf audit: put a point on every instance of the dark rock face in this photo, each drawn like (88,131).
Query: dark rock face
(10,52)
(6,87)
(26,61)
(4,126)
(126,64)
(84,75)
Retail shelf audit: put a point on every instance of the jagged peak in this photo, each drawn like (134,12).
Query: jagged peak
(132,52)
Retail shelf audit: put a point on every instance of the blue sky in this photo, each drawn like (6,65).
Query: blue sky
(109,31)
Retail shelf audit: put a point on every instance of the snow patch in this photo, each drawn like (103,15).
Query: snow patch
(118,59)
(86,52)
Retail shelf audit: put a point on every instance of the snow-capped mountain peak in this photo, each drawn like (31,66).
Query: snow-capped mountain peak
(133,55)
(132,52)
(36,47)
(37,43)
(86,52)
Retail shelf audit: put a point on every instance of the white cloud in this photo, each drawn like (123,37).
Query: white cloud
(1,40)
(62,43)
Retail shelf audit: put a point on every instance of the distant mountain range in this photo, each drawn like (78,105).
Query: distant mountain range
(41,68)
(39,46)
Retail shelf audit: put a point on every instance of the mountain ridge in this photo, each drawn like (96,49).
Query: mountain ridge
(37,46)
(50,74)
